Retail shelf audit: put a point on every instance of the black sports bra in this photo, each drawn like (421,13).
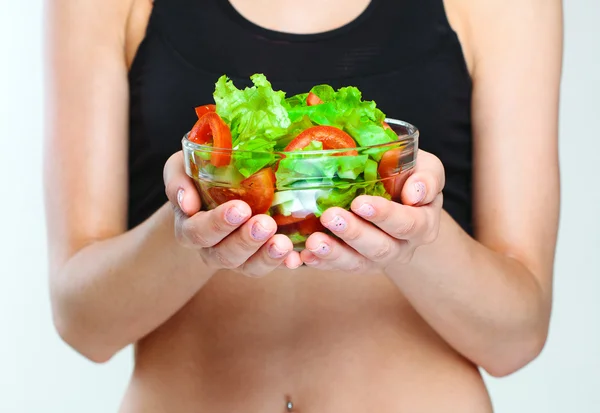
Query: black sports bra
(402,54)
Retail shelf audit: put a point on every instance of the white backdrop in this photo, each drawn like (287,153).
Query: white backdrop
(38,373)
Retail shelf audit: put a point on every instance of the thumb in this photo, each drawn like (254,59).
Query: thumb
(426,181)
(179,187)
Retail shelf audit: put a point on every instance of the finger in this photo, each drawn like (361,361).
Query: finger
(238,247)
(269,256)
(397,220)
(364,237)
(426,181)
(179,187)
(208,228)
(325,252)
(401,222)
(293,260)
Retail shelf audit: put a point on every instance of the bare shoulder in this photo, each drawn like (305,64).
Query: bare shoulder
(487,28)
(106,17)
(135,28)
(120,21)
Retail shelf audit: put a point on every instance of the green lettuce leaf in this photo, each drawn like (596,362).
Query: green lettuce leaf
(257,117)
(313,169)
(371,170)
(296,100)
(324,92)
(346,110)
(324,114)
(293,130)
(343,196)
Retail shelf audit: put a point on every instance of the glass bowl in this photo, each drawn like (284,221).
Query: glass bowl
(295,188)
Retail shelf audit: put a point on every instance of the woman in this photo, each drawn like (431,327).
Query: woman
(448,289)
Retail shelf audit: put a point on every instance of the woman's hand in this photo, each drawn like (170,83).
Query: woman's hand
(226,237)
(379,233)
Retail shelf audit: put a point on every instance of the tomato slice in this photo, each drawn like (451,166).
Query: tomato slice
(389,168)
(385,125)
(305,226)
(222,195)
(210,127)
(258,190)
(310,225)
(331,138)
(203,110)
(312,99)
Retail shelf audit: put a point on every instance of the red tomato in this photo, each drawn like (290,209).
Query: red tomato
(385,125)
(312,99)
(211,127)
(389,167)
(221,195)
(257,191)
(331,138)
(310,225)
(203,110)
(305,226)
(194,168)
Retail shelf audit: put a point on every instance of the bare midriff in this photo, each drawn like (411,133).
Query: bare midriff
(315,342)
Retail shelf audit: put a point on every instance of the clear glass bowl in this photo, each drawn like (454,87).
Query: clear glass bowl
(296,187)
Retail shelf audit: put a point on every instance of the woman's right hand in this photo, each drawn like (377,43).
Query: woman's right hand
(227,237)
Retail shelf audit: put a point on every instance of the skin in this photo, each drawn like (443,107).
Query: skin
(223,322)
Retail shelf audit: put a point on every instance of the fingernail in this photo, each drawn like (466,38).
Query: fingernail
(419,192)
(275,252)
(322,249)
(312,260)
(259,232)
(338,224)
(234,216)
(366,210)
(180,195)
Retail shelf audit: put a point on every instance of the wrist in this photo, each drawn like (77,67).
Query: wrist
(188,258)
(442,251)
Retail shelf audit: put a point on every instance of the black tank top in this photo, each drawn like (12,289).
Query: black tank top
(402,54)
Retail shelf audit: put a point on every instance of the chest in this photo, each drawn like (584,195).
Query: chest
(291,16)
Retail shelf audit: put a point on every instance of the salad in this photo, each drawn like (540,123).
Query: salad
(293,157)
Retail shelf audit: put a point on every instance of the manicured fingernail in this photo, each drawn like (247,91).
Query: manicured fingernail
(312,260)
(275,252)
(180,195)
(234,216)
(419,192)
(322,249)
(337,224)
(259,232)
(366,210)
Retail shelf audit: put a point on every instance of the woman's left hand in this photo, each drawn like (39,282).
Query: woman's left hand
(377,233)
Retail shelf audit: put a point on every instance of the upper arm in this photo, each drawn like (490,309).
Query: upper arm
(517,60)
(85,153)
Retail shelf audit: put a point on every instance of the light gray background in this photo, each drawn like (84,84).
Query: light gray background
(38,373)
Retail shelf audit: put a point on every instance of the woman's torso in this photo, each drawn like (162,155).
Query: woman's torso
(330,342)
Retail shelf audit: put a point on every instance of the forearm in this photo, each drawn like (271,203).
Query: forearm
(113,292)
(487,305)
